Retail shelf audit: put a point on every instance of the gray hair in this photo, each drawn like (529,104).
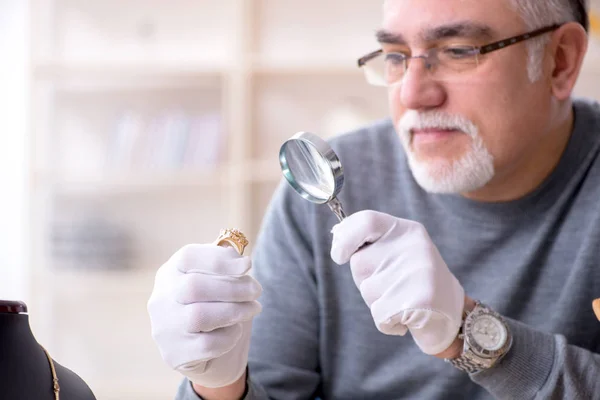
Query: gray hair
(539,13)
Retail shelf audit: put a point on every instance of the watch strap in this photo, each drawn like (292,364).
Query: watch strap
(466,364)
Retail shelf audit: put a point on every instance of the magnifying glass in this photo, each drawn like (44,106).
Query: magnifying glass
(313,169)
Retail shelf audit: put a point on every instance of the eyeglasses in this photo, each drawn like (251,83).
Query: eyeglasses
(448,62)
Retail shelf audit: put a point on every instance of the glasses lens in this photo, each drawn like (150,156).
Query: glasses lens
(447,64)
(454,60)
(385,69)
(374,71)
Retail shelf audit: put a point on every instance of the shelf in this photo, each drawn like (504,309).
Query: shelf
(323,105)
(111,81)
(99,67)
(98,76)
(128,183)
(185,71)
(151,29)
(260,171)
(341,32)
(283,68)
(69,283)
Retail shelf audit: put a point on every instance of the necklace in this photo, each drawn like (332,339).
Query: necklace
(55,385)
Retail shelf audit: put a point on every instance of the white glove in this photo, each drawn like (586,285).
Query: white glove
(201,312)
(402,278)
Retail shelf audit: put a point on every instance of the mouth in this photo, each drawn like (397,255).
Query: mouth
(432,135)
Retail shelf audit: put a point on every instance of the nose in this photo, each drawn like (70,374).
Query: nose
(419,90)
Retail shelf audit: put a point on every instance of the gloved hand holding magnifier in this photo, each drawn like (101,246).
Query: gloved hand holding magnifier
(399,271)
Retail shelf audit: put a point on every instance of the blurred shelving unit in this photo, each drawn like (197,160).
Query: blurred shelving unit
(589,81)
(155,124)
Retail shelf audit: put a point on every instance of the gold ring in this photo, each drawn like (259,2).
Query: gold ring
(233,237)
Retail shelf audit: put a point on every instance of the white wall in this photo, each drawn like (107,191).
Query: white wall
(14,89)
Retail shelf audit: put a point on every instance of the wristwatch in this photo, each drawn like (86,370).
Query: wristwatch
(486,337)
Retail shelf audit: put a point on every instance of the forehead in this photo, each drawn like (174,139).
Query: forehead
(412,16)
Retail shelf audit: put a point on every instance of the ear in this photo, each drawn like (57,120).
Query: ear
(569,45)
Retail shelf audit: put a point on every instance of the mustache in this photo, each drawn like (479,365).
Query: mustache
(414,120)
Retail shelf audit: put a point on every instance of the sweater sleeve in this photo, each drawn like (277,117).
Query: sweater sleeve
(542,366)
(186,392)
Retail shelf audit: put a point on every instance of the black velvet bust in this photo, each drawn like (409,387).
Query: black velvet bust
(24,368)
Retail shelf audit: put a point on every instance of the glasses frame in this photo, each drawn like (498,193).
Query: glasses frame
(481,50)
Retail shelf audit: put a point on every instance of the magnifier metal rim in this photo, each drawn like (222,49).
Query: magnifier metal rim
(326,152)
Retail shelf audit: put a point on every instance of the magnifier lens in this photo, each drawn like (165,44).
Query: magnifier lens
(313,169)
(310,170)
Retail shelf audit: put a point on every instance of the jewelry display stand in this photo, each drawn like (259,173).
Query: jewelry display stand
(26,371)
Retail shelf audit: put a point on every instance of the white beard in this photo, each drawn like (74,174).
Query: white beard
(471,171)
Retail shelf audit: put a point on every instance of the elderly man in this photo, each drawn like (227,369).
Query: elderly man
(479,201)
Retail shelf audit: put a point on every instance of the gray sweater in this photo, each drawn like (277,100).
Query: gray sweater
(534,260)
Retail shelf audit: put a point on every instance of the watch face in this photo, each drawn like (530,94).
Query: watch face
(489,333)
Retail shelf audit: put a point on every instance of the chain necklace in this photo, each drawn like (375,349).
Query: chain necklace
(18,307)
(55,385)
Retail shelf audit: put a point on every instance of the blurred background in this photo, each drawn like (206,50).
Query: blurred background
(133,127)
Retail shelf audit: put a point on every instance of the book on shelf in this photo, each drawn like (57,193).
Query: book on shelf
(168,141)
(88,241)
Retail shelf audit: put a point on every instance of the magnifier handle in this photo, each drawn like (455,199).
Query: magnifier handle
(336,206)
